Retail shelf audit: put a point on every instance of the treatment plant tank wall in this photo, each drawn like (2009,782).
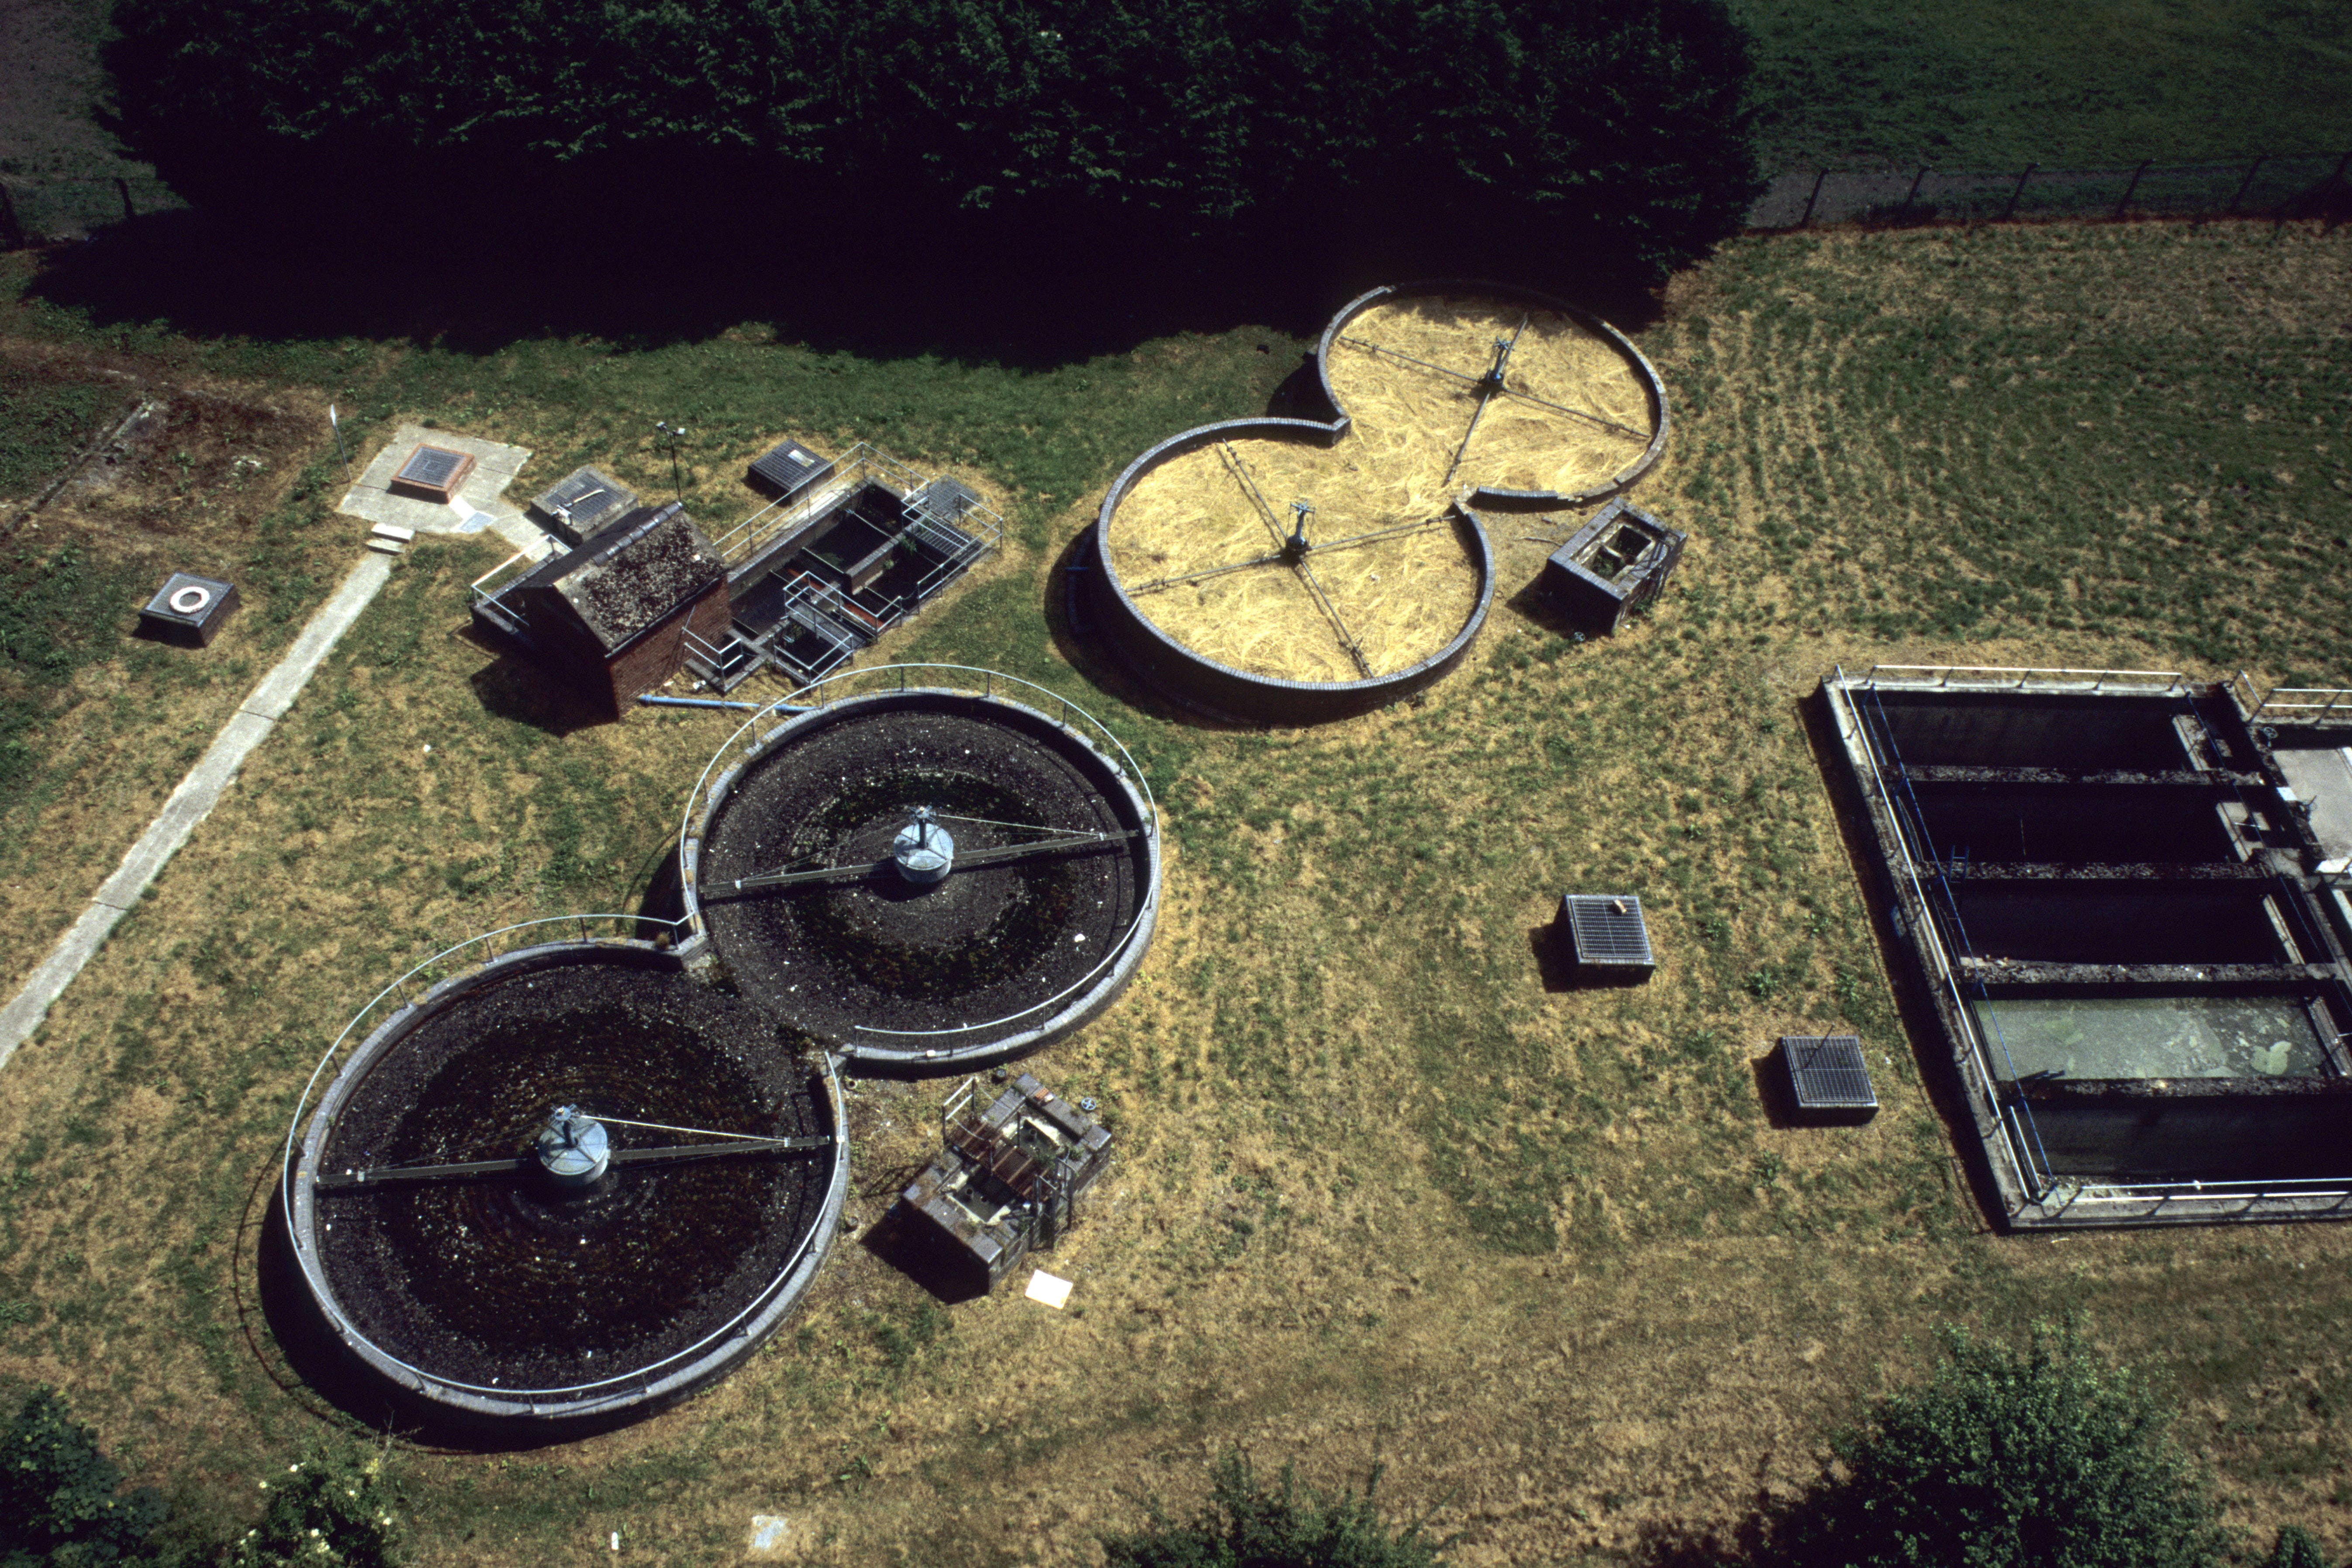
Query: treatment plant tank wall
(925,877)
(572,1185)
(1290,571)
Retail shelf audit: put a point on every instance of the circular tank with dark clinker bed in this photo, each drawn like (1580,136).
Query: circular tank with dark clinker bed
(925,878)
(578,1182)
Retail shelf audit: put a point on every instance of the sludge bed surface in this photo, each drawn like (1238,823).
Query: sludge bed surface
(503,1281)
(987,942)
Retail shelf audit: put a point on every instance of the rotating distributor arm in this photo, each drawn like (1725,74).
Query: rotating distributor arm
(574,1149)
(925,853)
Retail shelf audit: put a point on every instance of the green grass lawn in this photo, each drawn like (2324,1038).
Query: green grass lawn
(1984,84)
(1382,1195)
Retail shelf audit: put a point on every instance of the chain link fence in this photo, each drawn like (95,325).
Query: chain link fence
(2303,185)
(35,211)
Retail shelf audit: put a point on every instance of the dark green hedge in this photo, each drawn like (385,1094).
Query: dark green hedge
(1613,123)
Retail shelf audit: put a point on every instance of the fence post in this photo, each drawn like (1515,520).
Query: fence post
(2132,187)
(2011,211)
(2333,182)
(12,233)
(2245,185)
(1815,196)
(1912,194)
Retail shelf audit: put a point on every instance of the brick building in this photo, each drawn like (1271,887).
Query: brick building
(617,615)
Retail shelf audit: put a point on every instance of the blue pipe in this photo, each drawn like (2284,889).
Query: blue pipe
(651,700)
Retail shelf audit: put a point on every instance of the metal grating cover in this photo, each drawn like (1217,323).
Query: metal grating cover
(1827,1072)
(583,504)
(431,467)
(943,500)
(787,468)
(1607,929)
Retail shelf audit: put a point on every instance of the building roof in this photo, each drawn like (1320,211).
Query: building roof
(634,574)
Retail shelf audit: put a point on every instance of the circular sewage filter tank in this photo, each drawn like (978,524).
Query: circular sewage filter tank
(1289,571)
(575,1182)
(926,877)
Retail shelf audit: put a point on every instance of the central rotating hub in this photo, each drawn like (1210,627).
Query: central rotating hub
(574,1149)
(923,850)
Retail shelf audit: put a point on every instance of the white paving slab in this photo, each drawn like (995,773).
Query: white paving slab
(480,502)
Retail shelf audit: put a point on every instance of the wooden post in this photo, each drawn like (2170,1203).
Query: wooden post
(2011,211)
(2244,185)
(1815,196)
(123,187)
(2131,186)
(12,233)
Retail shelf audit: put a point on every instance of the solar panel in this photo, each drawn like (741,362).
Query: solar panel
(1607,934)
(1827,1073)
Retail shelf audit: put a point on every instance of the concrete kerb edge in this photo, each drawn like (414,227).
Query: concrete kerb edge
(927,1061)
(719,1357)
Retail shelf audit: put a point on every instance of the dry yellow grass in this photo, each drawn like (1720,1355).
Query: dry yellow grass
(1400,599)
(1519,444)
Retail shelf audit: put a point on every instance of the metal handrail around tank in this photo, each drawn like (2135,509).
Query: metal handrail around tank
(1981,675)
(741,542)
(2338,700)
(479,594)
(796,702)
(644,1377)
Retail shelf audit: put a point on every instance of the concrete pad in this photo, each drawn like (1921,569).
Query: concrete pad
(527,536)
(484,492)
(2325,779)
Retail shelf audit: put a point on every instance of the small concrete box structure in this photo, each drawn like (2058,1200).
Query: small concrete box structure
(618,615)
(188,610)
(1614,565)
(582,505)
(1008,1175)
(433,473)
(1606,939)
(1828,1079)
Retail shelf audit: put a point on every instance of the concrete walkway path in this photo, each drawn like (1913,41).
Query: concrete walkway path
(191,803)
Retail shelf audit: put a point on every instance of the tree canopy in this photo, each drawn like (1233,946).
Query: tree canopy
(2032,1457)
(1489,124)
